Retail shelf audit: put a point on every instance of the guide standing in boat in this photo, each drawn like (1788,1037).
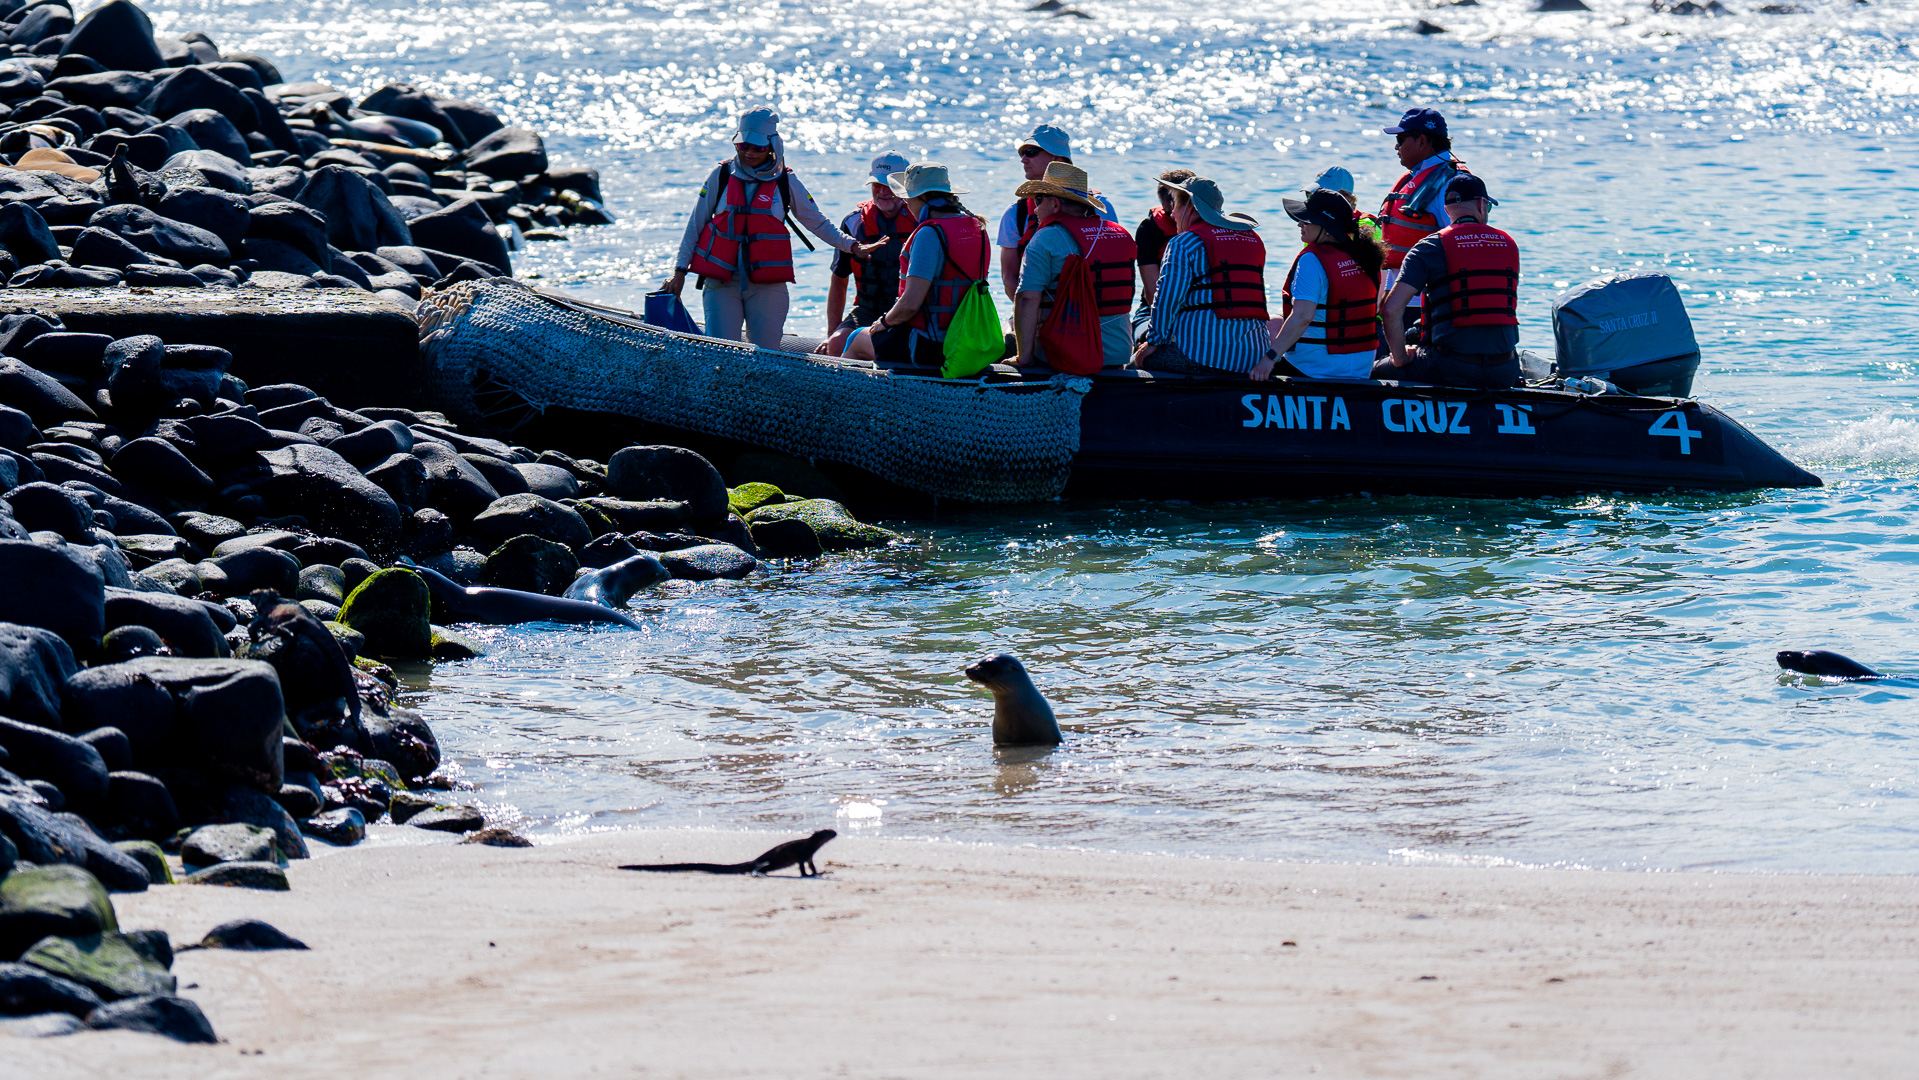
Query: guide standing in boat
(1210,315)
(1064,201)
(737,239)
(1017,225)
(1415,208)
(1329,330)
(1469,273)
(882,217)
(944,256)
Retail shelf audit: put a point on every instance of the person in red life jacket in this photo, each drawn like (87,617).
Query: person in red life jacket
(1329,330)
(1416,206)
(1210,315)
(737,239)
(1469,273)
(1154,231)
(882,217)
(944,256)
(1017,225)
(1073,227)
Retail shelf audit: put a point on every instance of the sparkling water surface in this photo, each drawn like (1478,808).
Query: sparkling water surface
(1574,682)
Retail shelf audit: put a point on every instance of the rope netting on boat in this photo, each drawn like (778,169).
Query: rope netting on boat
(976,441)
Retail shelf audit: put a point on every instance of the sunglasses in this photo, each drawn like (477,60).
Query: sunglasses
(745,147)
(1030,151)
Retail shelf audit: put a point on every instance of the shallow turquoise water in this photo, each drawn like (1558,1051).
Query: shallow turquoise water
(1584,681)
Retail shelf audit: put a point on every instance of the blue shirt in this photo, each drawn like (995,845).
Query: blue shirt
(1205,338)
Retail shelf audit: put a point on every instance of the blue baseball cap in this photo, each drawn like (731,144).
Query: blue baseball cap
(1466,187)
(1333,179)
(1419,122)
(1050,139)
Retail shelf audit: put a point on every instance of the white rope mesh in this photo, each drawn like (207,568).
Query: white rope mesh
(988,443)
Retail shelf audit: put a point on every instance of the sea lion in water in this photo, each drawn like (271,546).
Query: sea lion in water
(1021,716)
(1825,664)
(612,586)
(792,853)
(489,605)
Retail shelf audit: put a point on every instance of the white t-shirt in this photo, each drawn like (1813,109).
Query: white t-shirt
(1009,228)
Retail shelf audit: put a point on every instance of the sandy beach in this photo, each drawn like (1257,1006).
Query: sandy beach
(936,960)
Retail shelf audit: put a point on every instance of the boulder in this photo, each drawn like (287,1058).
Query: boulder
(112,745)
(298,800)
(627,516)
(229,721)
(790,538)
(39,395)
(300,227)
(456,819)
(532,564)
(708,561)
(197,88)
(241,572)
(249,935)
(44,507)
(359,217)
(333,496)
(152,860)
(24,234)
(508,154)
(502,475)
(606,550)
(174,1017)
(374,443)
(26,990)
(322,582)
(145,229)
(51,900)
(34,667)
(475,122)
(221,213)
(834,525)
(671,473)
(498,836)
(464,230)
(241,875)
(118,35)
(516,515)
(107,963)
(209,531)
(39,23)
(55,588)
(749,497)
(548,481)
(212,844)
(401,736)
(186,625)
(403,477)
(391,609)
(142,805)
(454,486)
(60,759)
(131,699)
(341,828)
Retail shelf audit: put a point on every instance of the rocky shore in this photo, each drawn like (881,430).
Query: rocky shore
(202,583)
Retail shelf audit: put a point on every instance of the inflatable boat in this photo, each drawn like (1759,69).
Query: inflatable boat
(499,348)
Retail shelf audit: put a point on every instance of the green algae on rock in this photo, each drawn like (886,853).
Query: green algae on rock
(834,525)
(106,963)
(390,609)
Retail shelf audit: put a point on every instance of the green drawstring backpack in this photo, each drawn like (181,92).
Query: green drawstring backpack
(974,340)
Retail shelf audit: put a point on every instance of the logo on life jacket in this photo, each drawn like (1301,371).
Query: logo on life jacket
(1112,270)
(1481,286)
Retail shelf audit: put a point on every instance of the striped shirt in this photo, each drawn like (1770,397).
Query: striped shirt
(1205,338)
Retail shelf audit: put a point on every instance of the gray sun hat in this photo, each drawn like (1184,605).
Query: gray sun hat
(758,126)
(1210,204)
(918,180)
(886,165)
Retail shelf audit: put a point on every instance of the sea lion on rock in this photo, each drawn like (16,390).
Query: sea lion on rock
(1829,665)
(612,586)
(490,605)
(1021,716)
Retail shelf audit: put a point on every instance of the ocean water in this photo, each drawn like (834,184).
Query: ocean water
(1580,681)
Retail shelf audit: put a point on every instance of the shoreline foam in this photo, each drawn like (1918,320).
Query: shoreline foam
(914,959)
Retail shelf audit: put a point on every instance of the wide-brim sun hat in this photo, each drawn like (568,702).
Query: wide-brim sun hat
(1325,208)
(1062,181)
(918,180)
(757,127)
(1210,204)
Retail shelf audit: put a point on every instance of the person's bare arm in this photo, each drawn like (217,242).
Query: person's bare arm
(835,302)
(1283,335)
(1393,312)
(1026,326)
(1009,270)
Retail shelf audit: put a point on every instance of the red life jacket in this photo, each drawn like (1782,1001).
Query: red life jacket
(1026,220)
(876,278)
(1234,281)
(1405,227)
(1165,222)
(745,217)
(1345,323)
(1112,271)
(964,240)
(1481,286)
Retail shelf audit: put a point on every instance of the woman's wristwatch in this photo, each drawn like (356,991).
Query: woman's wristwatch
(1272,354)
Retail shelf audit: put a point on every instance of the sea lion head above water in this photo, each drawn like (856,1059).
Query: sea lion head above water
(1825,664)
(1021,716)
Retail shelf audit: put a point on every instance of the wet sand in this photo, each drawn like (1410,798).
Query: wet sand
(936,960)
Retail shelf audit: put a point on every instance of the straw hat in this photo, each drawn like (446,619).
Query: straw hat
(1210,204)
(1062,181)
(921,180)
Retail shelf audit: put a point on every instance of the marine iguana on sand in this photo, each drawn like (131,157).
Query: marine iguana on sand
(792,853)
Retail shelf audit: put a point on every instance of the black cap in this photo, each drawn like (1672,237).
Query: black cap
(1466,187)
(1326,208)
(1419,122)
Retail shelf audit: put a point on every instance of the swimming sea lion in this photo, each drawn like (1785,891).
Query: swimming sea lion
(1021,716)
(612,586)
(792,853)
(1825,664)
(489,605)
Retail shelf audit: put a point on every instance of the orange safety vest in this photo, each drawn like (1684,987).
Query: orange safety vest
(1234,280)
(1481,283)
(1113,273)
(958,233)
(1406,227)
(746,215)
(1345,323)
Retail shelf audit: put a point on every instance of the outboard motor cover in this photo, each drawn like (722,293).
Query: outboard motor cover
(1613,324)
